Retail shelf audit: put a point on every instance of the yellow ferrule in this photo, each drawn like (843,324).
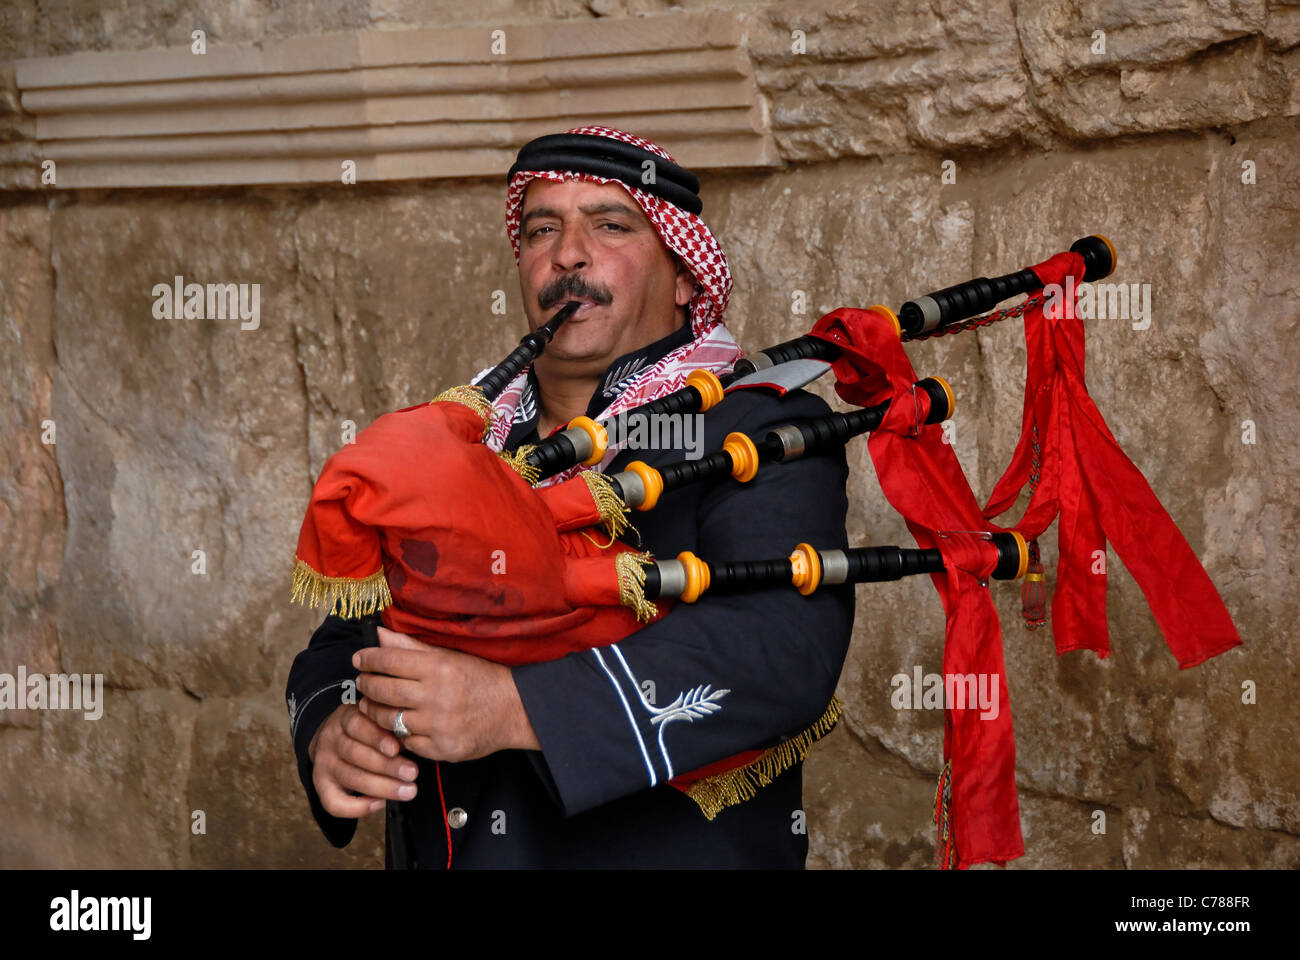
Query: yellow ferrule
(893,317)
(806,566)
(599,438)
(744,456)
(651,479)
(697,576)
(708,385)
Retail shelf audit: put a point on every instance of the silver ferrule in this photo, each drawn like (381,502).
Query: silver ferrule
(835,566)
(672,578)
(633,488)
(930,313)
(582,445)
(792,442)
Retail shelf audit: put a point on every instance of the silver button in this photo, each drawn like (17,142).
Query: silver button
(457,818)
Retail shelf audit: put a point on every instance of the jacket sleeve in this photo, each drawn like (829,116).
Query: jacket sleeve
(752,667)
(317,681)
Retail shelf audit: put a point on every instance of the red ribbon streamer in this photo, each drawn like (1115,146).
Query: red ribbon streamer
(920,475)
(1085,479)
(1099,495)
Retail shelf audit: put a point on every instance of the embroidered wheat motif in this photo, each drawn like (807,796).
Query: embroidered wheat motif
(618,378)
(695,703)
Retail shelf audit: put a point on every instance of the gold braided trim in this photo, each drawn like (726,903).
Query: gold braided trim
(518,462)
(613,511)
(472,397)
(945,854)
(356,596)
(631,584)
(714,794)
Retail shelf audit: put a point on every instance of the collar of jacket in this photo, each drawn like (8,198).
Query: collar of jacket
(618,376)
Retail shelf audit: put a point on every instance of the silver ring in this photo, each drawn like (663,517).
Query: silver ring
(399,726)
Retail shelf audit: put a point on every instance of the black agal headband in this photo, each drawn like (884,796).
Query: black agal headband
(606,157)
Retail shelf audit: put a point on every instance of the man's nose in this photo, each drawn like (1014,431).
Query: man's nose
(571,252)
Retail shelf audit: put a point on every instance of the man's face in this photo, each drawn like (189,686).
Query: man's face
(592,242)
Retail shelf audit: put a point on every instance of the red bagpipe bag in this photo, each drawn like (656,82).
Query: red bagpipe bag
(1077,470)
(420,520)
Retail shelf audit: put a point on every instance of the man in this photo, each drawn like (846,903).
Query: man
(565,762)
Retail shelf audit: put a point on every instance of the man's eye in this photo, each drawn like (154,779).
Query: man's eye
(535,232)
(617,227)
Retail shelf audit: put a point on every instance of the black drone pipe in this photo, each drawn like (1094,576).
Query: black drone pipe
(962,301)
(807,569)
(640,485)
(529,349)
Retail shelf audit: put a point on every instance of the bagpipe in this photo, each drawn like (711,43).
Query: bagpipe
(410,519)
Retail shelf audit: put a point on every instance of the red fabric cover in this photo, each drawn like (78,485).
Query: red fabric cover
(921,477)
(1100,495)
(475,558)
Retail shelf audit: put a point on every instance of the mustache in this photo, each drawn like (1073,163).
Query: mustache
(571,285)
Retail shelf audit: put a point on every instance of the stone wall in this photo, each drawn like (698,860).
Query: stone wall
(176,436)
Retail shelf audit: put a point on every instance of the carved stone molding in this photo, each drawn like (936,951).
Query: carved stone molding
(398,104)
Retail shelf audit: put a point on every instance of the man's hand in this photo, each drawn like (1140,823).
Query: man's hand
(457,706)
(351,753)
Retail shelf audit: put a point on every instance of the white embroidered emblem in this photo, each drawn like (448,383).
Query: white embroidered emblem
(698,702)
(691,705)
(618,378)
(695,703)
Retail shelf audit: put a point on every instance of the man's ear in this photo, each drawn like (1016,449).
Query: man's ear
(685,283)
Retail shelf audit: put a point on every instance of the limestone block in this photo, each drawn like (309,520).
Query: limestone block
(111,792)
(244,780)
(32,521)
(1062,39)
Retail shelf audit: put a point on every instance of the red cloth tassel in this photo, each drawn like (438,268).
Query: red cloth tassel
(921,477)
(1099,495)
(1033,592)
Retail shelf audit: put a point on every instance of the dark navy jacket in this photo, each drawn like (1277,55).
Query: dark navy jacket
(595,796)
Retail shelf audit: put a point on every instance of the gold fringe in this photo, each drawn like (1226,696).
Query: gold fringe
(598,546)
(714,794)
(346,596)
(631,584)
(613,511)
(518,462)
(472,397)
